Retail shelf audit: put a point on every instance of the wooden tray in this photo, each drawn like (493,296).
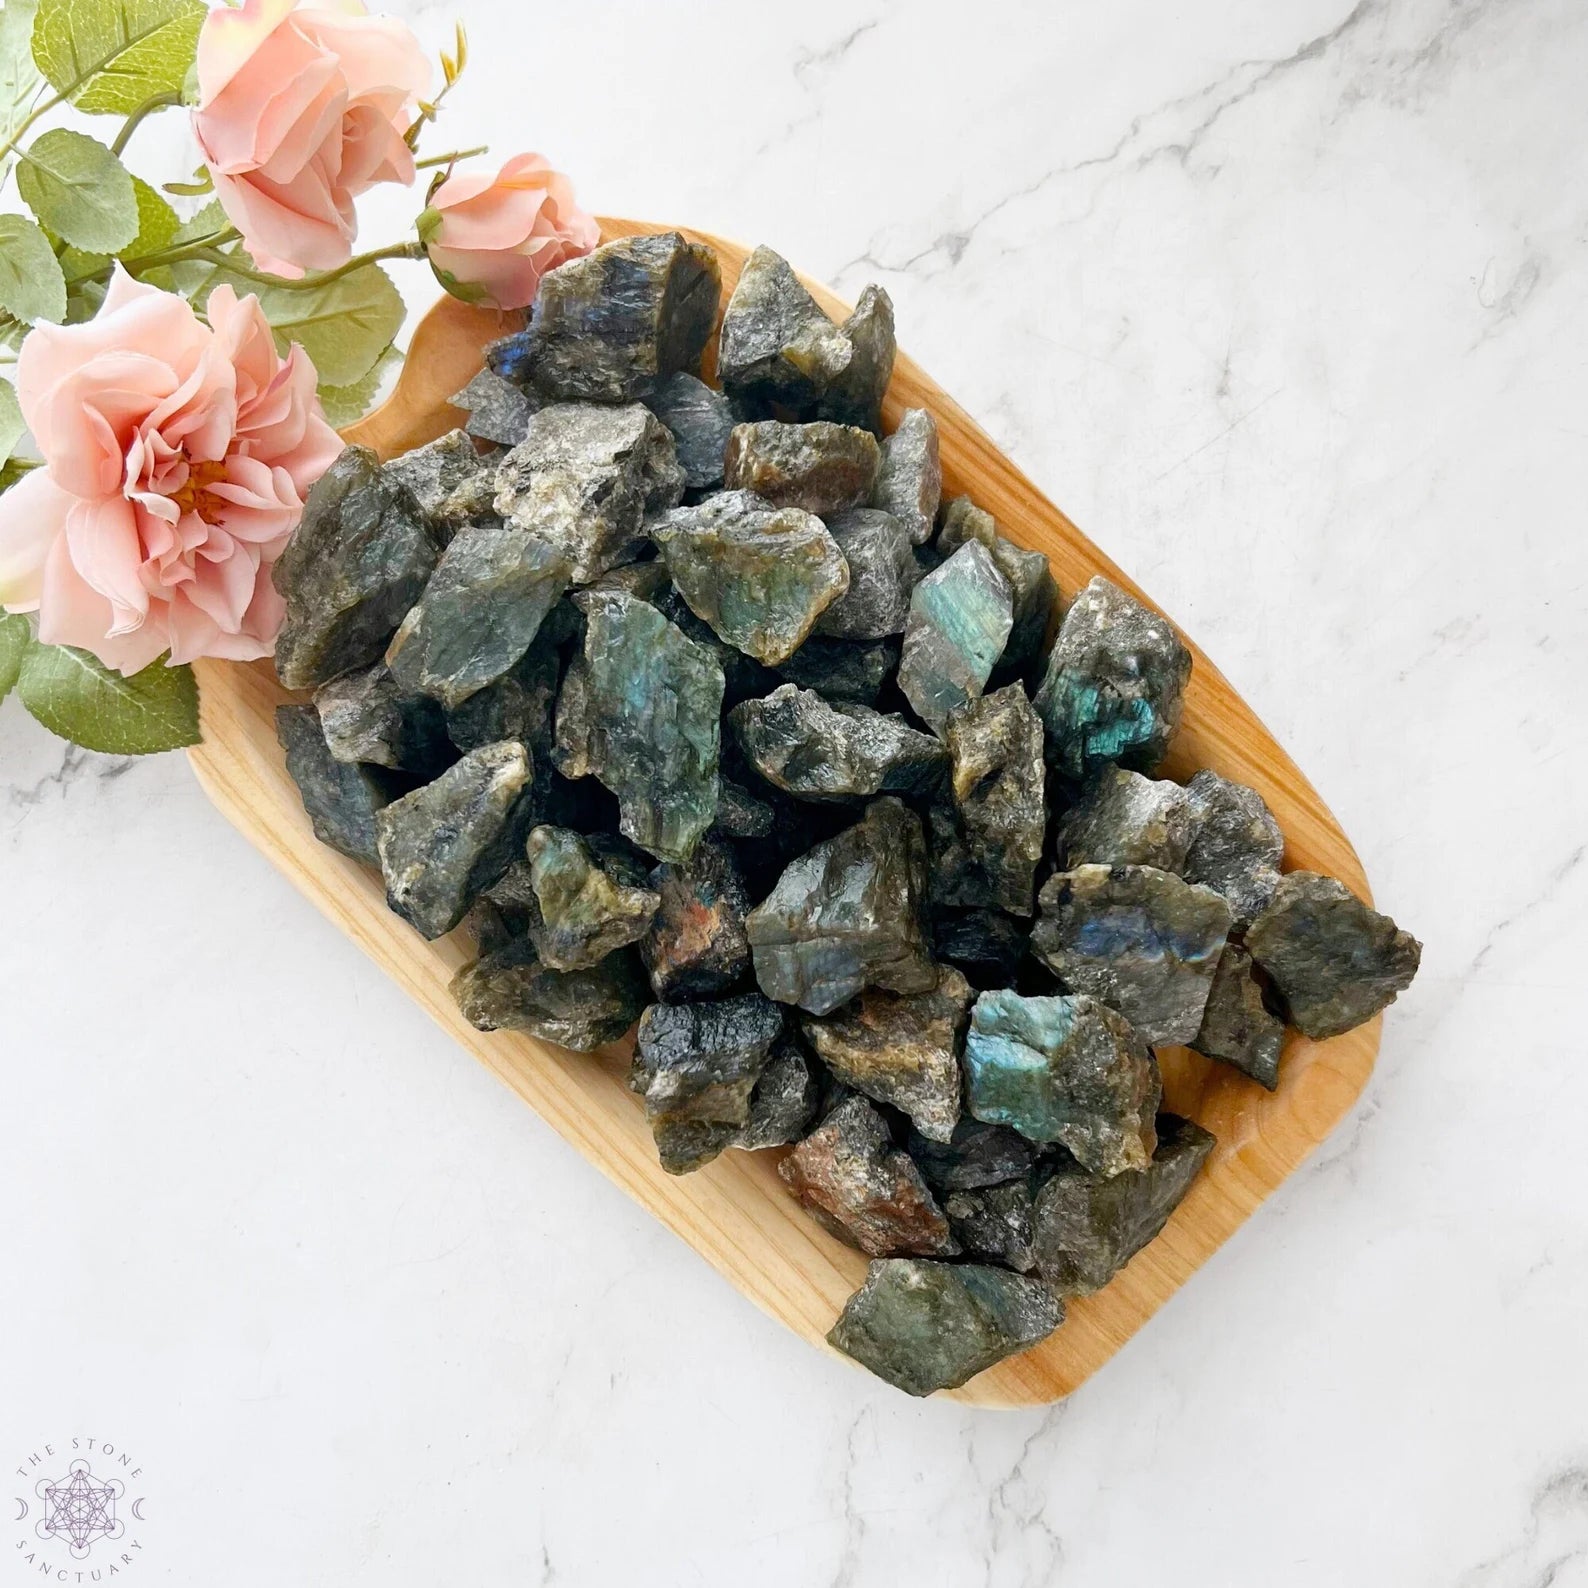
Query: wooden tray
(735,1212)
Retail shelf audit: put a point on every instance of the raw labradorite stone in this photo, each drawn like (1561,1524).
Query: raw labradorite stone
(1142,940)
(479,613)
(1064,1069)
(583,912)
(1032,587)
(1114,685)
(1237,1024)
(357,561)
(509,356)
(854,670)
(652,701)
(900,1049)
(606,326)
(449,841)
(804,746)
(583,479)
(498,409)
(510,990)
(882,574)
(518,705)
(573,723)
(742,675)
(700,419)
(696,946)
(1125,819)
(910,481)
(852,1180)
(986,944)
(976,1155)
(784,1101)
(741,814)
(1335,961)
(450,481)
(1235,845)
(696,1066)
(847,915)
(342,799)
(959,619)
(987,845)
(759,576)
(996,1223)
(487,924)
(821,467)
(368,718)
(776,345)
(855,397)
(926,1326)
(1088,1228)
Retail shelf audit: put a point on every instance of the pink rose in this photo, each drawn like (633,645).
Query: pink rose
(491,239)
(177,458)
(299,112)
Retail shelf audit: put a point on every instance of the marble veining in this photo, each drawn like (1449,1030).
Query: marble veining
(1287,305)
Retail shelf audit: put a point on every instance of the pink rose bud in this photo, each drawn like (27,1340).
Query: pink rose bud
(301,110)
(491,238)
(177,459)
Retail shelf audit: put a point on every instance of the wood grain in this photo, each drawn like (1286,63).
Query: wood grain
(735,1212)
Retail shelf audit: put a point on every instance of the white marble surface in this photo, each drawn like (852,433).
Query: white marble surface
(1285,304)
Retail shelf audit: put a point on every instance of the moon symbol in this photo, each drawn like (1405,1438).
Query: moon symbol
(22,1510)
(135,1511)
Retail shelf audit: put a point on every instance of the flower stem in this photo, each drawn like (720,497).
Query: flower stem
(452,158)
(147,108)
(321,278)
(10,145)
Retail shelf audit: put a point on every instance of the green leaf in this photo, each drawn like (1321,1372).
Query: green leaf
(15,637)
(114,55)
(80,190)
(76,696)
(157,225)
(344,325)
(12,425)
(19,77)
(344,404)
(32,286)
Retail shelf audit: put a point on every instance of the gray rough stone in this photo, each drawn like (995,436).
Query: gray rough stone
(900,1049)
(585,477)
(784,1101)
(759,576)
(986,944)
(855,396)
(1064,1069)
(651,702)
(925,1326)
(1087,1229)
(696,1066)
(996,1223)
(452,483)
(847,915)
(498,410)
(776,345)
(700,420)
(821,467)
(1125,819)
(510,990)
(446,843)
(357,561)
(882,574)
(367,717)
(479,613)
(960,616)
(1034,593)
(853,670)
(986,846)
(696,946)
(519,705)
(583,910)
(341,799)
(1142,940)
(1237,1025)
(851,1179)
(610,324)
(1335,961)
(976,1155)
(804,746)
(1235,845)
(1115,683)
(910,480)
